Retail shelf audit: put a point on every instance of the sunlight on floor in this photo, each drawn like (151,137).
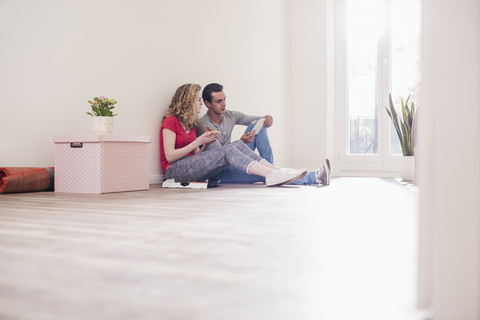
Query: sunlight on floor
(370,250)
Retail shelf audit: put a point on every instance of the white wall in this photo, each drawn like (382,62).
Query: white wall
(449,173)
(55,55)
(311,82)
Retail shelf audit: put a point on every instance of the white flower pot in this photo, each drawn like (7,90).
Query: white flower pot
(407,168)
(102,125)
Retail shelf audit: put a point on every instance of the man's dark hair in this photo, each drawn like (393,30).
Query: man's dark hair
(209,88)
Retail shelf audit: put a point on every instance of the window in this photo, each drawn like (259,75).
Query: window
(377,53)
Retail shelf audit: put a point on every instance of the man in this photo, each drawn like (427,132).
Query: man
(219,119)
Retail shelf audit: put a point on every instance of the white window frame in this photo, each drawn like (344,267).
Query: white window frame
(382,164)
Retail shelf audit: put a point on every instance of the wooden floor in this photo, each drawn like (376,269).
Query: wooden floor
(347,251)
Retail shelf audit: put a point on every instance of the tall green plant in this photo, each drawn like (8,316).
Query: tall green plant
(405,127)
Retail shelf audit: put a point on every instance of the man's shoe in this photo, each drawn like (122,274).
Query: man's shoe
(280,177)
(323,174)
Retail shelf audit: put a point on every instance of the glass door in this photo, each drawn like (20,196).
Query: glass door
(377,52)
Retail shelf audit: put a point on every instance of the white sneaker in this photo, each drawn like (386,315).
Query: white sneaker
(277,178)
(302,172)
(290,169)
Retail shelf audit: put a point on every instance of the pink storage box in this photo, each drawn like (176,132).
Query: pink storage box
(96,163)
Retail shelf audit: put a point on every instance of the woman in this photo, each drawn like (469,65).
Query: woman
(183,155)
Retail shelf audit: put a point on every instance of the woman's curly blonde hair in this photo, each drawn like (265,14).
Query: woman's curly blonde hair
(182,105)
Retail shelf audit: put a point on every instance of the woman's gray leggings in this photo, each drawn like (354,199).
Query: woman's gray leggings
(205,164)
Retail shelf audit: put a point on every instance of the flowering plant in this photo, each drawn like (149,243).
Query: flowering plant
(102,107)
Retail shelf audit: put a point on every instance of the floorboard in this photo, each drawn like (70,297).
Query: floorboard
(347,251)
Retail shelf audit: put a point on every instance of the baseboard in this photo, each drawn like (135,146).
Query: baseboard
(372,174)
(156,179)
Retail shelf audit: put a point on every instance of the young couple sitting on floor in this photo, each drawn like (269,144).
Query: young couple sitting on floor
(193,149)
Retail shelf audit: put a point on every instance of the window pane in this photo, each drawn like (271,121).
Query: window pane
(363,25)
(405,57)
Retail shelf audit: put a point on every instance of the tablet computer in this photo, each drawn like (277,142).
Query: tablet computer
(258,125)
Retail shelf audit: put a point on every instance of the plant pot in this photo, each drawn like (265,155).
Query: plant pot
(102,125)
(407,168)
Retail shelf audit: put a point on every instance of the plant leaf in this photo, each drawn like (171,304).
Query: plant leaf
(405,126)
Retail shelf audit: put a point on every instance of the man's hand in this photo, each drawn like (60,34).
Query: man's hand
(268,121)
(248,137)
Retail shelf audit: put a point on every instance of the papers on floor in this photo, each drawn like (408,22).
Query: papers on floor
(170,183)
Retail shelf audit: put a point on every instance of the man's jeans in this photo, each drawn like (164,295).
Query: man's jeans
(262,144)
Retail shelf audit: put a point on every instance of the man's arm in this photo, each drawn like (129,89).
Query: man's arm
(244,119)
(247,119)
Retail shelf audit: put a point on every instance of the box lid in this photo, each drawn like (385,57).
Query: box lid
(99,138)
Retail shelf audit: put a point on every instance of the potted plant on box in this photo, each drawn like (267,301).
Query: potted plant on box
(405,128)
(102,114)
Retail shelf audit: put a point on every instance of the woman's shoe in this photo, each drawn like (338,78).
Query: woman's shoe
(280,177)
